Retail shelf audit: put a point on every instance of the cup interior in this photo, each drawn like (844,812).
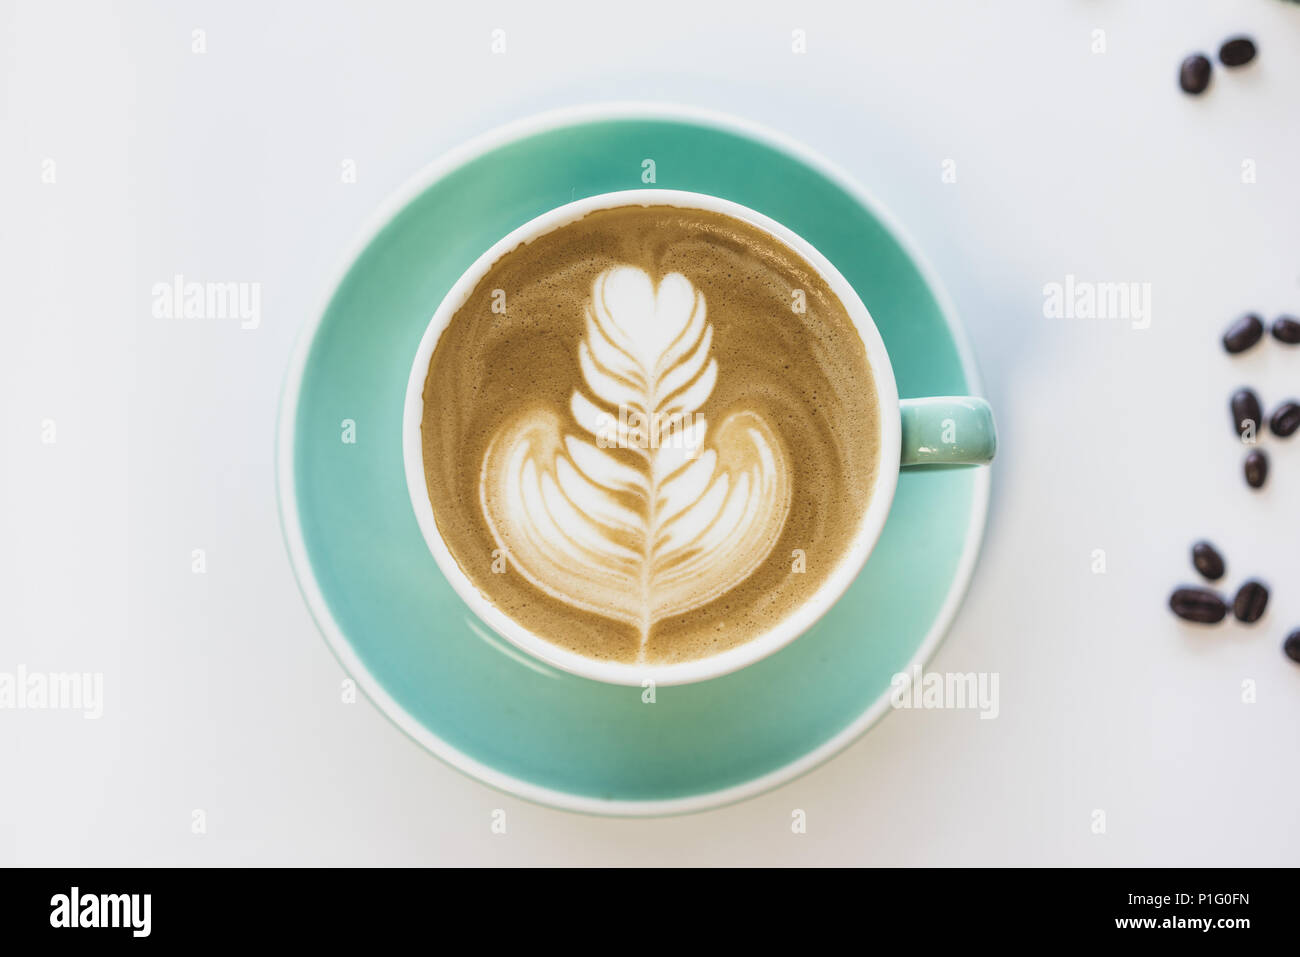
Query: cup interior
(870,526)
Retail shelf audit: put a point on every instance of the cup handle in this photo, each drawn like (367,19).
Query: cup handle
(947,430)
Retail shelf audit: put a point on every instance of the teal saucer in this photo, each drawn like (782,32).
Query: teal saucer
(412,645)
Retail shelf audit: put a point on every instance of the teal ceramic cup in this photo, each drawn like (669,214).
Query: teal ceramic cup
(926,432)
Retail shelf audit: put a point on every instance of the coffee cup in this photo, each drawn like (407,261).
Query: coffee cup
(557,486)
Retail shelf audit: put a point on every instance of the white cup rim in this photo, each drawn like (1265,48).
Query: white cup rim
(767,643)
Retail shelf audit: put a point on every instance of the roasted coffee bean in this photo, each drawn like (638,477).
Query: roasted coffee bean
(1256,468)
(1251,600)
(1197,604)
(1237,51)
(1286,329)
(1207,560)
(1285,419)
(1243,333)
(1246,413)
(1194,74)
(1292,645)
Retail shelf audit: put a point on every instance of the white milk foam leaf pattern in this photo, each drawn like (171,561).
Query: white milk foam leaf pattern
(689,519)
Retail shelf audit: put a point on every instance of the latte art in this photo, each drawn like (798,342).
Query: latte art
(650,434)
(668,532)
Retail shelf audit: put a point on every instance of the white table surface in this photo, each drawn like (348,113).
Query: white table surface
(220,694)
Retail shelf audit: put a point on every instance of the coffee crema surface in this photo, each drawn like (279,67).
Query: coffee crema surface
(651,434)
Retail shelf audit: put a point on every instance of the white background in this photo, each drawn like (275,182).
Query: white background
(226,166)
